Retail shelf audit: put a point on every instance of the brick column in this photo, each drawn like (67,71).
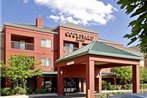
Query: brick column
(60,83)
(90,79)
(99,84)
(39,82)
(136,78)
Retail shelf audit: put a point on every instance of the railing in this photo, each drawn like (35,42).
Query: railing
(22,45)
(69,49)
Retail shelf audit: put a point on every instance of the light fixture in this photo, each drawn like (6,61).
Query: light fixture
(61,72)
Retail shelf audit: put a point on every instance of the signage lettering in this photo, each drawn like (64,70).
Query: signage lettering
(79,37)
(70,63)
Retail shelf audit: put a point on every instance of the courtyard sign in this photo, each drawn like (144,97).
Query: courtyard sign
(79,37)
(70,63)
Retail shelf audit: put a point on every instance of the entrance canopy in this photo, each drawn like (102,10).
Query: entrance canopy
(99,49)
(88,61)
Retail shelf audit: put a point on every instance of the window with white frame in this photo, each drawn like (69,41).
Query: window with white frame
(46,43)
(45,61)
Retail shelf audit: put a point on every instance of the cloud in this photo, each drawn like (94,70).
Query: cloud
(25,1)
(79,11)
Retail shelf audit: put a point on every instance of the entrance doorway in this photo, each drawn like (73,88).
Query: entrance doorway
(71,85)
(50,84)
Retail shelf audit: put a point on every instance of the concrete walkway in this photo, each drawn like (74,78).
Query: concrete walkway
(68,95)
(49,95)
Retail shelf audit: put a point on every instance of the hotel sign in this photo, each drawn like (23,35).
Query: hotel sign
(70,63)
(79,37)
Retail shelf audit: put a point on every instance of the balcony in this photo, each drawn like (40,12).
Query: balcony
(69,49)
(22,45)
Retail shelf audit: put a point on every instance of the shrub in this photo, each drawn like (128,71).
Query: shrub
(128,87)
(112,87)
(41,91)
(143,86)
(29,90)
(104,85)
(106,95)
(6,91)
(118,87)
(19,90)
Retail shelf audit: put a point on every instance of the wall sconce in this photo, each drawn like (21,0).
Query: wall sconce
(61,72)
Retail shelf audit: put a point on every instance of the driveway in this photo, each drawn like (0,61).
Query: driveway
(70,95)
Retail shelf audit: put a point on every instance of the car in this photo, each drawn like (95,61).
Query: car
(130,96)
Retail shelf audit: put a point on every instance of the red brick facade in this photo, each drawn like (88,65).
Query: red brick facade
(28,40)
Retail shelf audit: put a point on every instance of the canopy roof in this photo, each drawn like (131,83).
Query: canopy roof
(99,49)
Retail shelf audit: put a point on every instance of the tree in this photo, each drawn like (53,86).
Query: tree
(19,68)
(143,74)
(123,73)
(138,10)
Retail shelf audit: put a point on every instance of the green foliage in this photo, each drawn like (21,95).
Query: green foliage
(143,86)
(109,86)
(123,73)
(6,91)
(19,69)
(128,87)
(138,10)
(41,91)
(105,85)
(143,74)
(107,95)
(19,90)
(29,90)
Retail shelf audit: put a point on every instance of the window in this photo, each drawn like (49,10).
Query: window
(45,62)
(22,45)
(70,47)
(46,43)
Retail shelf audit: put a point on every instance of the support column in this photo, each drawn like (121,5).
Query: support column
(136,78)
(90,79)
(82,85)
(99,84)
(39,82)
(60,83)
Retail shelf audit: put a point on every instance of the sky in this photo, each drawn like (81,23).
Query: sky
(103,16)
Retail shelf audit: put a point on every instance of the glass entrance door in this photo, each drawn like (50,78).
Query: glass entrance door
(71,85)
(50,84)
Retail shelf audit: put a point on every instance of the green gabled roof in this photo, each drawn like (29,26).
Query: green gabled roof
(32,27)
(99,48)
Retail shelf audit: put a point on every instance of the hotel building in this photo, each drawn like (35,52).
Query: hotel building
(63,52)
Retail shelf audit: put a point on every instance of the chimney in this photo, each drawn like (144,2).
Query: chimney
(39,22)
